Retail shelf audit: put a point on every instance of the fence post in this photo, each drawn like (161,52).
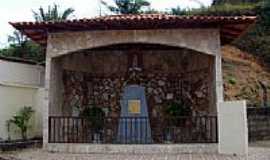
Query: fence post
(49,129)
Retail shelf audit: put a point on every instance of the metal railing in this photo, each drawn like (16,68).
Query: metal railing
(258,123)
(133,130)
(258,111)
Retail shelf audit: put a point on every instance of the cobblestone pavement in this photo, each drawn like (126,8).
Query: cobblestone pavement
(255,153)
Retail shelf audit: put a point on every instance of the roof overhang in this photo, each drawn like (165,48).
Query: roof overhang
(230,27)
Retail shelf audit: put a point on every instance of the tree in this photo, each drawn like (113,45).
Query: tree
(256,41)
(52,14)
(264,12)
(127,6)
(177,11)
(22,47)
(17,38)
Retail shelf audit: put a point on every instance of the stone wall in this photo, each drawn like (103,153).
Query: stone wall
(98,78)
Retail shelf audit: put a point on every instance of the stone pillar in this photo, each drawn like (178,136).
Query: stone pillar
(53,93)
(232,128)
(212,86)
(47,101)
(56,88)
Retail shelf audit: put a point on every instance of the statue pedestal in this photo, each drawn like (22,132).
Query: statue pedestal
(134,125)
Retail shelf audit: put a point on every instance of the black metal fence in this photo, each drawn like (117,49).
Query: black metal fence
(258,123)
(133,130)
(258,111)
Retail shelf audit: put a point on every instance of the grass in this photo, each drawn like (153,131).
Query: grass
(231,79)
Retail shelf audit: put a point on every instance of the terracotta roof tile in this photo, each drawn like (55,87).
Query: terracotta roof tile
(230,27)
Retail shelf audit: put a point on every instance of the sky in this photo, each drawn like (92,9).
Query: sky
(21,10)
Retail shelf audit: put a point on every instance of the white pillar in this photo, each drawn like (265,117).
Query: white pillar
(218,78)
(232,128)
(47,101)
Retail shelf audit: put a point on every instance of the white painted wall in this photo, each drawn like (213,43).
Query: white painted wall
(13,73)
(233,131)
(20,85)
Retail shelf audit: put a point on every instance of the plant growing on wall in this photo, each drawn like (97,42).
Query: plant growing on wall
(8,122)
(177,111)
(21,120)
(95,116)
(178,108)
(176,114)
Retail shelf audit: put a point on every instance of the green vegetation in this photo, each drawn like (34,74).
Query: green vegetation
(95,116)
(257,40)
(21,120)
(22,47)
(178,109)
(127,6)
(52,14)
(249,93)
(229,66)
(232,80)
(219,2)
(219,10)
(8,129)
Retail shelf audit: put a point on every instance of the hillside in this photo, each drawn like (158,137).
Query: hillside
(243,75)
(215,2)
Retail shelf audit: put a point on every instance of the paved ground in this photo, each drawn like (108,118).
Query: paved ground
(265,144)
(255,153)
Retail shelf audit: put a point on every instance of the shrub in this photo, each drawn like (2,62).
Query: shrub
(8,128)
(21,120)
(178,109)
(95,116)
(177,112)
(232,80)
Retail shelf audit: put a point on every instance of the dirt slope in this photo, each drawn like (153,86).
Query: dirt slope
(243,75)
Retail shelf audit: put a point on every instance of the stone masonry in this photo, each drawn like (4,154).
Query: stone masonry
(68,43)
